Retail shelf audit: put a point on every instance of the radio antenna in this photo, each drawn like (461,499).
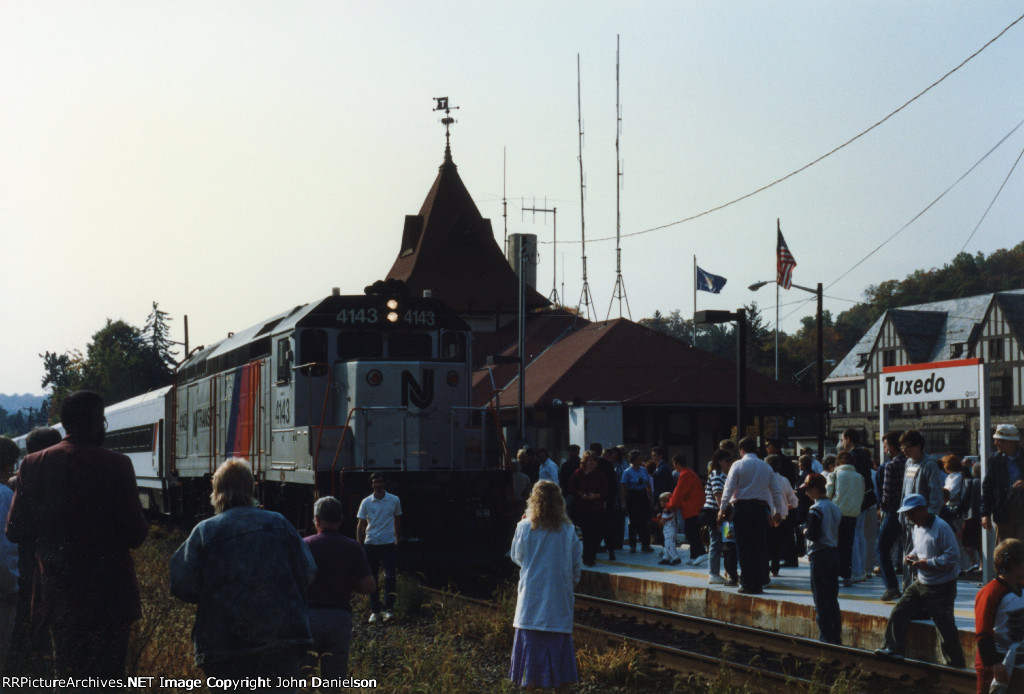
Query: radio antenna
(586,300)
(619,291)
(553,296)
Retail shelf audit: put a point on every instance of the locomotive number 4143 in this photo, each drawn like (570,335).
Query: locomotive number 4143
(371,316)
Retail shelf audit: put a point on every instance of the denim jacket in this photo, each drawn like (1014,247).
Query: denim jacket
(248,570)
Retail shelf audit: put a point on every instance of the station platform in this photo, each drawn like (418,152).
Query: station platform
(786,606)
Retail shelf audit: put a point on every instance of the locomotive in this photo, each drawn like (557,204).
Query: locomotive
(316,399)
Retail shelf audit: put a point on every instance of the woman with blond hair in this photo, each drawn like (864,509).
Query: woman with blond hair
(247,569)
(550,555)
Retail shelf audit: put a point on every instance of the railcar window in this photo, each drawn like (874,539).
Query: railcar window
(453,346)
(130,440)
(410,346)
(313,347)
(360,345)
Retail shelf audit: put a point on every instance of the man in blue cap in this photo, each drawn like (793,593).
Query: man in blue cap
(936,558)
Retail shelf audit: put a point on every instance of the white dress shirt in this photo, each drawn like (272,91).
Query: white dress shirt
(749,478)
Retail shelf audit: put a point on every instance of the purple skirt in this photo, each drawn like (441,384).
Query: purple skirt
(542,659)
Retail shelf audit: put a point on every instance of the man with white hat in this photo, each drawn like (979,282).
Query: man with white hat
(1002,488)
(936,558)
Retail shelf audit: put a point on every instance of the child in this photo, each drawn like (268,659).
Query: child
(667,521)
(729,549)
(822,533)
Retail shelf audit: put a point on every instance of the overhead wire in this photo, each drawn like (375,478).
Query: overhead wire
(916,216)
(823,156)
(993,201)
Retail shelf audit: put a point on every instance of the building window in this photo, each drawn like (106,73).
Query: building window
(855,400)
(889,357)
(1001,392)
(995,348)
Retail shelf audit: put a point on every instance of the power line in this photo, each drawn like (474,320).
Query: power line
(827,154)
(993,201)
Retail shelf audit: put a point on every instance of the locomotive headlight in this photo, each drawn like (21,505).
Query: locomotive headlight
(392,304)
(392,316)
(374,377)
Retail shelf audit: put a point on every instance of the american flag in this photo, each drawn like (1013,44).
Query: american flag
(786,262)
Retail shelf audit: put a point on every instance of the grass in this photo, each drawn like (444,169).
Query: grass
(433,646)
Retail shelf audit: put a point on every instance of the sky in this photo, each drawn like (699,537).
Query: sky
(230,160)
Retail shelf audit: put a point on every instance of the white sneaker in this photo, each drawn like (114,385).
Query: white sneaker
(700,560)
(373,617)
(716,580)
(388,616)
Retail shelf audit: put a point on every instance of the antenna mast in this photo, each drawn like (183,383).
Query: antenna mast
(586,299)
(553,296)
(619,291)
(504,198)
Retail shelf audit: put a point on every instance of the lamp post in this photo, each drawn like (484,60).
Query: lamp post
(740,316)
(819,390)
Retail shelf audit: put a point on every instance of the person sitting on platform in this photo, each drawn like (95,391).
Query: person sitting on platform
(936,558)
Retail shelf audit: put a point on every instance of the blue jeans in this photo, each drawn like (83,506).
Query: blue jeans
(825,589)
(376,556)
(709,519)
(332,637)
(888,535)
(859,548)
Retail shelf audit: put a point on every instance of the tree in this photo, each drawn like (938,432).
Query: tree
(120,362)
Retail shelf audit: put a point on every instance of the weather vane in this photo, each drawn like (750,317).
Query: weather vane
(442,105)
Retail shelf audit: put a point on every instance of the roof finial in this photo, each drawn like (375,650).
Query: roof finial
(442,105)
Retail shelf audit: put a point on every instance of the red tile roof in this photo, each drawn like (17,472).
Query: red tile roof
(623,361)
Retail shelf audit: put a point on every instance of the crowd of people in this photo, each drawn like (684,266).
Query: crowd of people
(73,515)
(852,516)
(269,602)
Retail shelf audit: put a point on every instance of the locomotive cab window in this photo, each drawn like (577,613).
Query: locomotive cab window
(284,360)
(313,347)
(410,346)
(453,346)
(360,345)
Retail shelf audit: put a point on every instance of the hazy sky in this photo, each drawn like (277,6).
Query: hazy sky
(233,159)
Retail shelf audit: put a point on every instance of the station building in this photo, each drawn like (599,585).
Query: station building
(637,386)
(987,326)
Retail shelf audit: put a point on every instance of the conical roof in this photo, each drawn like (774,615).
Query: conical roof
(449,249)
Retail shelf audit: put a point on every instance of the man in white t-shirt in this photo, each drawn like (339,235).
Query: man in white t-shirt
(378,529)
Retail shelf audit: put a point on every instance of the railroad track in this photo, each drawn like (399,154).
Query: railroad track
(908,673)
(790,651)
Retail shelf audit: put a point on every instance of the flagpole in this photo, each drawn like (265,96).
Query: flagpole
(695,298)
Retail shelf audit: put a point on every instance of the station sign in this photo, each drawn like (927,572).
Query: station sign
(940,380)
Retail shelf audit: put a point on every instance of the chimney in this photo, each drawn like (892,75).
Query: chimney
(520,245)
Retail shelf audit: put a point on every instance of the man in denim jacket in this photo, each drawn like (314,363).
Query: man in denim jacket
(247,569)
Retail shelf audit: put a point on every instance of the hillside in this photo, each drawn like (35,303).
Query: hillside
(14,403)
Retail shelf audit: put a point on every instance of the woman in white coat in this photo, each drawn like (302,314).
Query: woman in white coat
(551,557)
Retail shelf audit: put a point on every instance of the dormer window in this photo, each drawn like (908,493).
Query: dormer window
(956,350)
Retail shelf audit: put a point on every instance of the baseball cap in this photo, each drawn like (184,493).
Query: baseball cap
(911,502)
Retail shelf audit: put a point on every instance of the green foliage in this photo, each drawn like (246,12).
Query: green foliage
(121,361)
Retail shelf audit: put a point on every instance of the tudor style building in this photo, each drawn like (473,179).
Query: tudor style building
(988,326)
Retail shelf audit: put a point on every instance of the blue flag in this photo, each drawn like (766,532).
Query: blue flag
(706,282)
